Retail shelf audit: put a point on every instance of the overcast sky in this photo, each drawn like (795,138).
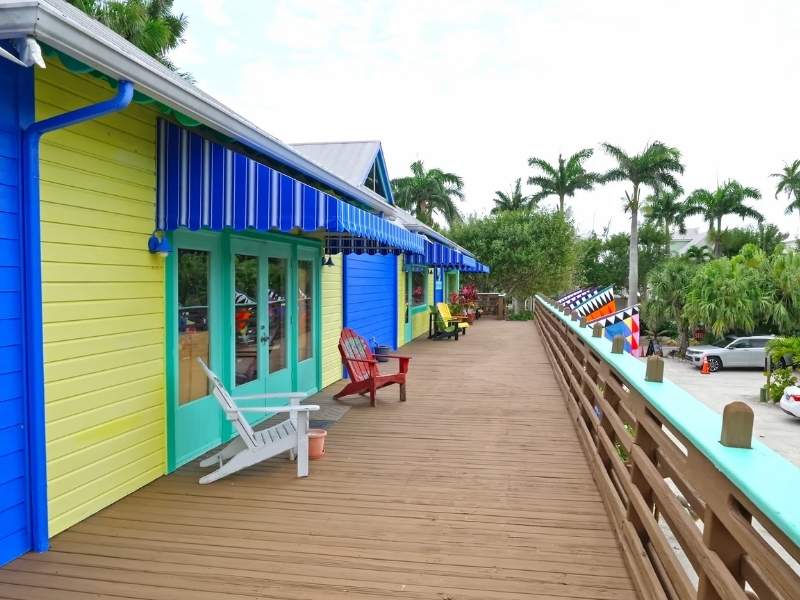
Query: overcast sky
(478,87)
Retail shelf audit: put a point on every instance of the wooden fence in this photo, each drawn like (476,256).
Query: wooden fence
(699,510)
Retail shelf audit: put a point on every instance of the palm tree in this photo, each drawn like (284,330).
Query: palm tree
(789,184)
(666,209)
(698,254)
(727,199)
(655,167)
(562,181)
(147,24)
(429,191)
(515,201)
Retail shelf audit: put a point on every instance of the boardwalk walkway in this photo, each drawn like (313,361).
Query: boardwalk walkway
(476,488)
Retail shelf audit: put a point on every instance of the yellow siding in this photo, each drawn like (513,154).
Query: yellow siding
(331,321)
(401,301)
(103,302)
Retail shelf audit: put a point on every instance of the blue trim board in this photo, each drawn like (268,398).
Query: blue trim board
(383,173)
(16,507)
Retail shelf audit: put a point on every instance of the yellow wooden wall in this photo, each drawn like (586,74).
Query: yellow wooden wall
(331,321)
(103,301)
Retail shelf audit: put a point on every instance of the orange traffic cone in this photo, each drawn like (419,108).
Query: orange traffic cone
(704,370)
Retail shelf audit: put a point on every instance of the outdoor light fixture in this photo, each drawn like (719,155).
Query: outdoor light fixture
(158,244)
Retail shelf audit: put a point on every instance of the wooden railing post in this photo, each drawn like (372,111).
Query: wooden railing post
(737,425)
(655,369)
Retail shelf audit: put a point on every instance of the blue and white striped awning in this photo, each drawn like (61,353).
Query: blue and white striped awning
(439,255)
(479,267)
(204,185)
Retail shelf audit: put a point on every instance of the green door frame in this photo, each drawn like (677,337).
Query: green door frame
(221,346)
(202,410)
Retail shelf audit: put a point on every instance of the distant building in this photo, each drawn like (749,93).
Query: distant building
(681,242)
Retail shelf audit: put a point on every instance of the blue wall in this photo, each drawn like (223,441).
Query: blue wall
(370,296)
(15,508)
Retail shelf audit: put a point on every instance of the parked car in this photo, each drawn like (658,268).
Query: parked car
(790,401)
(741,352)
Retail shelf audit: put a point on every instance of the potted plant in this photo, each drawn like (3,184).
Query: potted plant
(469,299)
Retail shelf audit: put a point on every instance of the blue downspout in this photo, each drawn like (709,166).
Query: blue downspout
(32,269)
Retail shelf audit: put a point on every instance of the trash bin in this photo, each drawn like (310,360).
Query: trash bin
(380,351)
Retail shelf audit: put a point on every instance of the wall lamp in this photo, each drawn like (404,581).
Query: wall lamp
(328,262)
(158,244)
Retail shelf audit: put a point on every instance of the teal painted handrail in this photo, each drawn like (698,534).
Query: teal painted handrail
(767,479)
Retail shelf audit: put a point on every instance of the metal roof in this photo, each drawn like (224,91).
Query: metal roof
(70,30)
(352,161)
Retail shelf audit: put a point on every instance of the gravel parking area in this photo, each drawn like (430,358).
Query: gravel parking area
(772,426)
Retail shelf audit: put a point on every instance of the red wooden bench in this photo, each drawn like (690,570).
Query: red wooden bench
(362,368)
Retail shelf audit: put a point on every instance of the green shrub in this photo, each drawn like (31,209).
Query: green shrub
(523,315)
(781,347)
(781,379)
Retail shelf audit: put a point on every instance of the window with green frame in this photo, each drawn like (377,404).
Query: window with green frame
(419,280)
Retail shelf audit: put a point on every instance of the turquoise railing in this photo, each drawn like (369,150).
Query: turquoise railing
(658,459)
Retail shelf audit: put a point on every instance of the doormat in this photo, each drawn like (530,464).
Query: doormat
(329,409)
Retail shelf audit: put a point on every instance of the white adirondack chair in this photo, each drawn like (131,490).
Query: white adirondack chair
(251,447)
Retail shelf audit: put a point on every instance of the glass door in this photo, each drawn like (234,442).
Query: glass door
(280,313)
(193,324)
(260,319)
(307,320)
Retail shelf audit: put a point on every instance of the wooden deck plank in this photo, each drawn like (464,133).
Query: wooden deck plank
(474,489)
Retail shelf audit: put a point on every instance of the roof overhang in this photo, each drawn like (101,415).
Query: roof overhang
(69,30)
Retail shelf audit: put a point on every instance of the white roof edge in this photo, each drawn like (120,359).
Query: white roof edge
(46,22)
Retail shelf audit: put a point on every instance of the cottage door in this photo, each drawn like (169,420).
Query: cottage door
(261,316)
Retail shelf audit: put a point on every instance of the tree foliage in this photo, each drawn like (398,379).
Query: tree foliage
(516,200)
(665,209)
(562,180)
(727,199)
(668,286)
(789,184)
(147,24)
(723,296)
(605,261)
(529,251)
(656,168)
(429,192)
(766,236)
(748,291)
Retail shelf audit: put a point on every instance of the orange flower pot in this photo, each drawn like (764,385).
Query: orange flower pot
(316,443)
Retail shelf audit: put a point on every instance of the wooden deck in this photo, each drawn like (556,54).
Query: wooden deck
(476,488)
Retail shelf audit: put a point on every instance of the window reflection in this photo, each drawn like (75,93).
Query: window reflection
(418,287)
(305,315)
(277,272)
(193,342)
(245,318)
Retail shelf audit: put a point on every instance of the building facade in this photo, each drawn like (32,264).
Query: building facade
(143,226)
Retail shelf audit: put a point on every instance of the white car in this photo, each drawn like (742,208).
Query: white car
(747,351)
(790,401)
